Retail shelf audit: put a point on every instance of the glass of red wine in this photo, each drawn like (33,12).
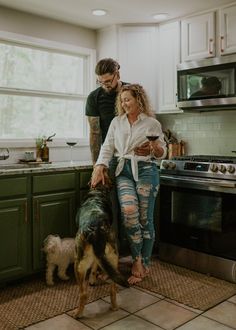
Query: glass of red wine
(71,143)
(152,136)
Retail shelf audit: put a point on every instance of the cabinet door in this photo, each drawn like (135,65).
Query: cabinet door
(14,238)
(198,37)
(169,57)
(227,30)
(137,57)
(52,214)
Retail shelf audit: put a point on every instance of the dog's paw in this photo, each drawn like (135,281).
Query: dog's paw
(64,277)
(77,314)
(50,283)
(115,308)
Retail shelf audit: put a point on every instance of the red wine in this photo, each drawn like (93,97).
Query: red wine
(152,137)
(71,144)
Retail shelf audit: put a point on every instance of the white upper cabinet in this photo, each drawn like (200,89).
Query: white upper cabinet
(227,20)
(138,57)
(198,37)
(107,44)
(135,48)
(168,58)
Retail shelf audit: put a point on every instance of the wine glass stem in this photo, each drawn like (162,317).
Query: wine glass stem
(71,159)
(151,151)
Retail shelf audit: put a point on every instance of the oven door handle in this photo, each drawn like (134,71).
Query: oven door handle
(206,182)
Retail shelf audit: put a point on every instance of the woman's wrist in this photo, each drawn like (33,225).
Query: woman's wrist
(156,151)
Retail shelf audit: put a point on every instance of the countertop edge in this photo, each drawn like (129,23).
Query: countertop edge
(43,168)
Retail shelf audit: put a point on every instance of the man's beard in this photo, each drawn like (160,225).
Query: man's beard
(111,90)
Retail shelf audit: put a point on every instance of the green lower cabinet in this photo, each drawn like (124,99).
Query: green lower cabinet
(52,214)
(14,238)
(33,206)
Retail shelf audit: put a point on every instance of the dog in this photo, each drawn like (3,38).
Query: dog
(96,244)
(60,252)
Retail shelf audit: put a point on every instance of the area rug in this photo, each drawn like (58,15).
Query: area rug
(32,301)
(190,288)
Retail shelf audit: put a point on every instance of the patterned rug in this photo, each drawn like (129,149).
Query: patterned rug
(32,301)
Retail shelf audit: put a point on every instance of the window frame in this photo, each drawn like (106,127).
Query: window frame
(50,45)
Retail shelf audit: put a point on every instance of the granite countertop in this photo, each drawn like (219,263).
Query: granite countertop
(10,169)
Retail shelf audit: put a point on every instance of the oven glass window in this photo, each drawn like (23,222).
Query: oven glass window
(197,211)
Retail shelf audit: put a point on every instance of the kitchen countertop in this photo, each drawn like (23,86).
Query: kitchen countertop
(10,169)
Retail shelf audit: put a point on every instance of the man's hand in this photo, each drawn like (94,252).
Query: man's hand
(98,175)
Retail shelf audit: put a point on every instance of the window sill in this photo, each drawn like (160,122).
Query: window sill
(30,143)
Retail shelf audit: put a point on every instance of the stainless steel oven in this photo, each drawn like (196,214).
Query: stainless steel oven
(198,214)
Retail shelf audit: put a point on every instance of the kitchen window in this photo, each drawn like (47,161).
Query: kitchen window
(43,88)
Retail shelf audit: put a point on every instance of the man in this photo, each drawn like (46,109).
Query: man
(100,106)
(100,110)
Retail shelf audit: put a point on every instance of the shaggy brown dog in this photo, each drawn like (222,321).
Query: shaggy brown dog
(96,244)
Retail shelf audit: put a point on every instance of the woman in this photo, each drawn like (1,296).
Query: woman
(136,173)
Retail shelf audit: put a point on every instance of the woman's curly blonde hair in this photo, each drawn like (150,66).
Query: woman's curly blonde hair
(138,92)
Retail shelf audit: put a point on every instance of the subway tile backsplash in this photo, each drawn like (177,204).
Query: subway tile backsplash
(212,133)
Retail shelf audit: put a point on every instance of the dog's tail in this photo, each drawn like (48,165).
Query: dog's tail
(99,237)
(113,273)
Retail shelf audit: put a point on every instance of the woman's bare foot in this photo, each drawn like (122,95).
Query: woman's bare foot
(137,279)
(134,280)
(146,271)
(138,269)
(102,277)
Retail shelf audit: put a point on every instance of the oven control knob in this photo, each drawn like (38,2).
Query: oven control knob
(222,168)
(165,164)
(213,167)
(172,165)
(231,169)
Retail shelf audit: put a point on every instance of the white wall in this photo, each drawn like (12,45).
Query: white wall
(39,27)
(44,28)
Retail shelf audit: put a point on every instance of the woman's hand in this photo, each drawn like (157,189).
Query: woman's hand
(155,149)
(149,148)
(143,149)
(98,175)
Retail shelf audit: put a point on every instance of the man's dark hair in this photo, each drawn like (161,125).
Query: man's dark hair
(106,65)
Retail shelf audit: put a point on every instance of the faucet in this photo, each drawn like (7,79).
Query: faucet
(4,153)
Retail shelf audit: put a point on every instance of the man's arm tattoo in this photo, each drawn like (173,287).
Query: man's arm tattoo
(95,138)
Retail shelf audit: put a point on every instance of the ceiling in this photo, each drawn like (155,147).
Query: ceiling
(119,11)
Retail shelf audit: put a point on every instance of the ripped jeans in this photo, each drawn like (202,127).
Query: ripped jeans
(137,201)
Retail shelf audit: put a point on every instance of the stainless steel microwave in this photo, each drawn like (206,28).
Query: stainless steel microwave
(208,84)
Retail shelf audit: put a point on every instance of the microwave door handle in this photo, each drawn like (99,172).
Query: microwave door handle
(201,181)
